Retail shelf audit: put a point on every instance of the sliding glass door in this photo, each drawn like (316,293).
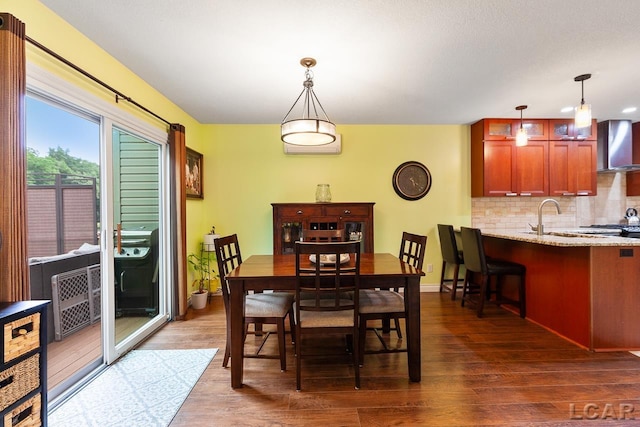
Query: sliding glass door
(136,191)
(135,236)
(99,218)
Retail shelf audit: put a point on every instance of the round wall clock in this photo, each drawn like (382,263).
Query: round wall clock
(412,180)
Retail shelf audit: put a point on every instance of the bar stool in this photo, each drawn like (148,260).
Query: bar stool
(476,263)
(450,255)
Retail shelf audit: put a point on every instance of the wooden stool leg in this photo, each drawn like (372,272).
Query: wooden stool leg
(484,284)
(454,283)
(465,286)
(444,268)
(281,345)
(397,325)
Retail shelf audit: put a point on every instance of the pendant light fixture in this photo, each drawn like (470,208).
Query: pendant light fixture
(308,128)
(583,111)
(521,136)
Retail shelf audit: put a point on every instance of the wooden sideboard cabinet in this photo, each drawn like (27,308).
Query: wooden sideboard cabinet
(23,367)
(290,219)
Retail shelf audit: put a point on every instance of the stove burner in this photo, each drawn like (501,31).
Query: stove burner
(632,232)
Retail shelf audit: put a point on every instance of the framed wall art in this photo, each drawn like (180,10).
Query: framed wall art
(193,174)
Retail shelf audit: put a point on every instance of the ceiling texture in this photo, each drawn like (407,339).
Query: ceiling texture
(379,61)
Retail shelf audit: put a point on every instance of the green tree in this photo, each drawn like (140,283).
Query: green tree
(59,161)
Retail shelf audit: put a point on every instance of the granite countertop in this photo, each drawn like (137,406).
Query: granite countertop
(567,237)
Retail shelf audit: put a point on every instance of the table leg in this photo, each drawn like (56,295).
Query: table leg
(412,307)
(236,307)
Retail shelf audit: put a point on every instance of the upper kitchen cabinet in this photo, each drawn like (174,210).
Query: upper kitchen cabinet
(499,168)
(506,129)
(572,165)
(558,160)
(564,129)
(633,176)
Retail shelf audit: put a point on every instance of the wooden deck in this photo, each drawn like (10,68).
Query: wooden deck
(66,357)
(498,370)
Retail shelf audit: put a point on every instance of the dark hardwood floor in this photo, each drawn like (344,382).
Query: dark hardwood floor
(498,370)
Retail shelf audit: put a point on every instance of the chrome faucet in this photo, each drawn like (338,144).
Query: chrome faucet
(540,228)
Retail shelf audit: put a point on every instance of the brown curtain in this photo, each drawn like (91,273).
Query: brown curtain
(14,273)
(178,153)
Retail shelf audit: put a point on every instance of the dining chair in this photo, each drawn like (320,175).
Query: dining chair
(451,256)
(478,265)
(317,314)
(387,304)
(323,235)
(259,308)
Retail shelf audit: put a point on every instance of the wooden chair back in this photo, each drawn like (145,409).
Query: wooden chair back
(323,235)
(412,249)
(325,284)
(228,257)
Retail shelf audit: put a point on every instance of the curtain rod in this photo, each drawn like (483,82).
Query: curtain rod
(119,95)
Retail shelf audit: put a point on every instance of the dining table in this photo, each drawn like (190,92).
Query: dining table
(278,273)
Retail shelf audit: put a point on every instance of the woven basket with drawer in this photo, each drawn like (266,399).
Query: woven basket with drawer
(21,336)
(18,380)
(26,414)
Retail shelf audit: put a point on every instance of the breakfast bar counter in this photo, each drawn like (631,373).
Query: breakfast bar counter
(585,288)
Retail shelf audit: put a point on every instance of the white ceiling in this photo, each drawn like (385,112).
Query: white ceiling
(379,61)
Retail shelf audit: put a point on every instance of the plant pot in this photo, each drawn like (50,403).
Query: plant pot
(208,241)
(199,300)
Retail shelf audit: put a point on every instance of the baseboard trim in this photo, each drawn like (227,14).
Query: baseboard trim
(429,287)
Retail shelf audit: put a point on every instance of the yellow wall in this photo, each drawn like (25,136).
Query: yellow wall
(245,169)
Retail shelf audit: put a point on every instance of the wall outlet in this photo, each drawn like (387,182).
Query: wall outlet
(429,268)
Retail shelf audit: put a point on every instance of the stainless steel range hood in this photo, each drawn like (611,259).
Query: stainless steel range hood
(615,146)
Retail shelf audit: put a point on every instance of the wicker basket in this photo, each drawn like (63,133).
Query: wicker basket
(19,380)
(26,414)
(21,336)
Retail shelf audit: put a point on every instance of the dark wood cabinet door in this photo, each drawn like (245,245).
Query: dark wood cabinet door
(532,169)
(499,169)
(572,168)
(564,129)
(585,162)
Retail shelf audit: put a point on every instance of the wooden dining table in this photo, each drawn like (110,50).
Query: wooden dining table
(278,273)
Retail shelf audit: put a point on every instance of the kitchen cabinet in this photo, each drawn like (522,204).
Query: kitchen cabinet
(564,129)
(633,177)
(633,183)
(290,219)
(23,373)
(585,292)
(506,129)
(558,160)
(500,168)
(572,168)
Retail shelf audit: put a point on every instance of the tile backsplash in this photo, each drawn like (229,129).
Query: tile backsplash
(510,214)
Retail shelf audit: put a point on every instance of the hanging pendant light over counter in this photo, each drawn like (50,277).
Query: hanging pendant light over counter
(521,136)
(308,129)
(583,111)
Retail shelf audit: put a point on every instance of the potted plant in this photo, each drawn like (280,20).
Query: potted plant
(203,266)
(209,238)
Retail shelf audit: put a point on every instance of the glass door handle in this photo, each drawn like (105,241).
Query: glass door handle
(119,238)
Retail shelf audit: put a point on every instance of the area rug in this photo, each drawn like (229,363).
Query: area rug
(144,388)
